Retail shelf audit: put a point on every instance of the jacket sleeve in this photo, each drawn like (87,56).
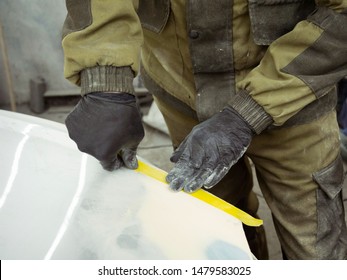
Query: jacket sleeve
(297,69)
(101,44)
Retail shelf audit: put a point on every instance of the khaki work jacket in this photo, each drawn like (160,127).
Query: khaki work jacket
(272,60)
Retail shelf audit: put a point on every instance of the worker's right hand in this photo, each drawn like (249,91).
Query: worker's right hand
(107,126)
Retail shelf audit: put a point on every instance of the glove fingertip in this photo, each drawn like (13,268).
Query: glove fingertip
(191,189)
(169,178)
(129,158)
(111,165)
(176,185)
(132,163)
(174,158)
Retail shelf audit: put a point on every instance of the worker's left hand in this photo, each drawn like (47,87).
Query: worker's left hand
(209,151)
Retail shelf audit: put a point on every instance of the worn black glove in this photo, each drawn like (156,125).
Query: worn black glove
(209,151)
(107,126)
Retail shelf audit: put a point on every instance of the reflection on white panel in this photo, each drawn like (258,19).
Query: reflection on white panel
(58,203)
(14,168)
(72,207)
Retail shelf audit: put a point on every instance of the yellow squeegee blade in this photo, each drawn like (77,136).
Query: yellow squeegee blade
(205,196)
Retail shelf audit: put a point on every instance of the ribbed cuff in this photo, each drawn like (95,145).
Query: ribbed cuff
(107,79)
(251,111)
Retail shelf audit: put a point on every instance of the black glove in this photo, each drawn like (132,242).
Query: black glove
(209,151)
(107,126)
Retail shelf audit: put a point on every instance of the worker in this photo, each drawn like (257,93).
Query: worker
(234,80)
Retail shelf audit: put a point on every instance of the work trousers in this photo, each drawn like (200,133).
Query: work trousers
(300,174)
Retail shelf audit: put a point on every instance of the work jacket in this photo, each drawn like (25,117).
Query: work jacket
(274,61)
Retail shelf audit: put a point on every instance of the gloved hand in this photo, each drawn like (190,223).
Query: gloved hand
(107,126)
(209,151)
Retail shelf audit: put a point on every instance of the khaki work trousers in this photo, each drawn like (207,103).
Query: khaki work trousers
(300,174)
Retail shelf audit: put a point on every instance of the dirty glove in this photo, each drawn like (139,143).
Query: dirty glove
(209,151)
(107,126)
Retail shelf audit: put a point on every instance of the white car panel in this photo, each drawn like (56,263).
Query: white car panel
(58,203)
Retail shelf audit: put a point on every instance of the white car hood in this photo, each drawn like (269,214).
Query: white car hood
(58,203)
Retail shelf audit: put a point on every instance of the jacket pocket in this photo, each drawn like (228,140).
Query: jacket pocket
(154,14)
(271,19)
(331,230)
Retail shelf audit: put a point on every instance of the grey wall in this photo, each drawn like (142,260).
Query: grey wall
(32,33)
